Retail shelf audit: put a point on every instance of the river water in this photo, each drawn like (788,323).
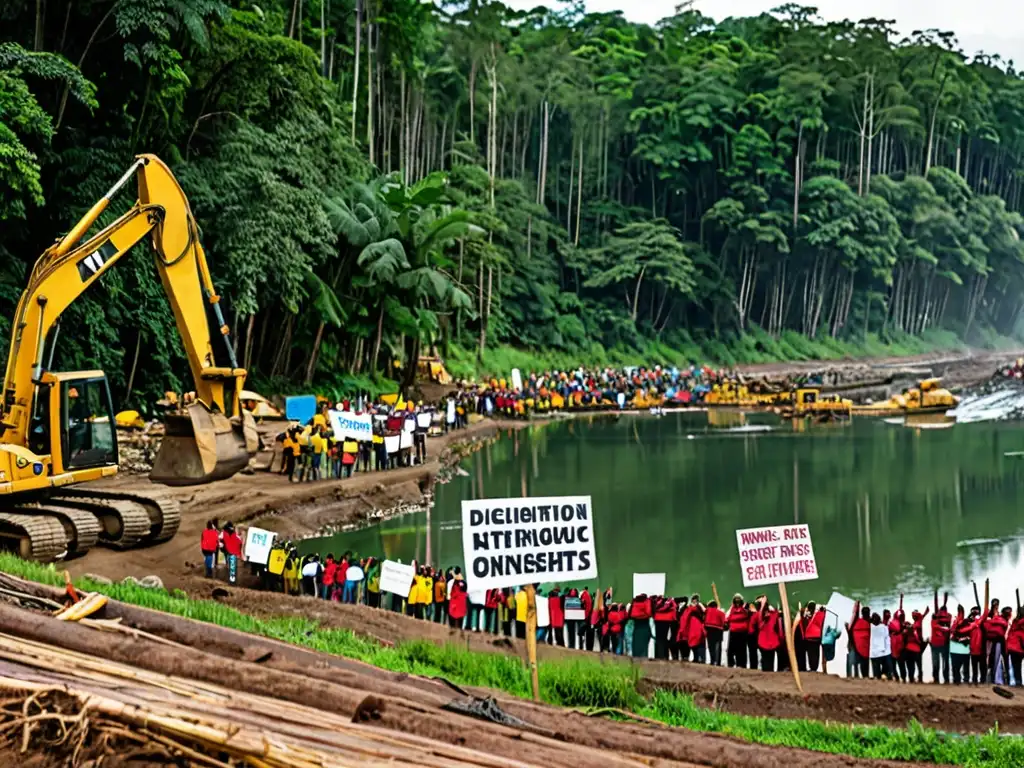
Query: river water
(891,508)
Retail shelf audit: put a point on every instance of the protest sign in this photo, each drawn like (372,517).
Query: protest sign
(391,444)
(517,379)
(512,542)
(776,554)
(409,425)
(423,420)
(648,584)
(406,440)
(396,578)
(543,612)
(574,609)
(258,544)
(450,412)
(346,424)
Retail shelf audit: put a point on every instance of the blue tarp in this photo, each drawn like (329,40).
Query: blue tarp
(300,408)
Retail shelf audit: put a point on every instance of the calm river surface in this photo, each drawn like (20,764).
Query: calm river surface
(891,508)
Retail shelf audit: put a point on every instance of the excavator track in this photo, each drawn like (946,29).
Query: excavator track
(33,537)
(164,512)
(81,528)
(123,524)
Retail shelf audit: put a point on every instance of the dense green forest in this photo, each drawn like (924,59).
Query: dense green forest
(374,178)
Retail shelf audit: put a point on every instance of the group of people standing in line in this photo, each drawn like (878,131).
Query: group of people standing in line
(972,648)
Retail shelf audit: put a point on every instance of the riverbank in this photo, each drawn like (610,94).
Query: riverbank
(411,679)
(303,510)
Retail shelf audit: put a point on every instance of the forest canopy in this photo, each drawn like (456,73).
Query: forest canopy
(376,178)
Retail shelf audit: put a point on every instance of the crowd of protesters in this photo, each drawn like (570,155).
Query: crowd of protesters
(968,647)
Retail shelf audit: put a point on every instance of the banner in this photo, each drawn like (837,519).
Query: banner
(512,542)
(352,425)
(776,553)
(396,578)
(258,544)
(648,584)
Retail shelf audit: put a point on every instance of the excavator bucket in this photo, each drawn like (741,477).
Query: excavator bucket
(201,446)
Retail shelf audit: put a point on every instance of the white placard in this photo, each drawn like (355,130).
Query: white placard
(405,440)
(574,609)
(649,584)
(477,596)
(423,420)
(346,424)
(391,443)
(776,553)
(543,611)
(512,542)
(396,578)
(450,412)
(409,425)
(258,544)
(517,379)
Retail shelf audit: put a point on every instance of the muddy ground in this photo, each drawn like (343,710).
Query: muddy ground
(303,510)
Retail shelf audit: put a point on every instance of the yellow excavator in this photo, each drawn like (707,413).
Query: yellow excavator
(58,429)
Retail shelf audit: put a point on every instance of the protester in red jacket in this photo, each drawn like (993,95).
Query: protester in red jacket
(1015,647)
(457,603)
(556,611)
(714,627)
(683,627)
(996,626)
(941,622)
(330,571)
(639,613)
(860,632)
(769,634)
(976,632)
(209,543)
(695,633)
(813,626)
(738,622)
(616,627)
(914,645)
(665,615)
(752,630)
(233,549)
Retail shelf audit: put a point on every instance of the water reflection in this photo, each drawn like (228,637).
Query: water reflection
(892,509)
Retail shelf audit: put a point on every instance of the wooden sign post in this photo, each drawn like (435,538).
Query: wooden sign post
(788,625)
(777,555)
(531,638)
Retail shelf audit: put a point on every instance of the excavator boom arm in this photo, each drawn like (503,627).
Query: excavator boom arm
(69,268)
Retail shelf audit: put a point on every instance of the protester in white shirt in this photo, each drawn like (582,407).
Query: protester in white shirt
(881,649)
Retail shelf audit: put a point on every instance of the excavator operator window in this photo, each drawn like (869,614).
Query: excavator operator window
(89,439)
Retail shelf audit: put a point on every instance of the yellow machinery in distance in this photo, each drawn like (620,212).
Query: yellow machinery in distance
(58,428)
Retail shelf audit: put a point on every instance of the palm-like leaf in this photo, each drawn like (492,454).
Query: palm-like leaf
(325,300)
(384,261)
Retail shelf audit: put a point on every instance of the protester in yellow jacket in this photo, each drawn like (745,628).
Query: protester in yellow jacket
(521,614)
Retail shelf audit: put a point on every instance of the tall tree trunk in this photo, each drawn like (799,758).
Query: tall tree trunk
(40,25)
(296,9)
(355,67)
(377,339)
(247,357)
(311,366)
(369,90)
(323,39)
(579,194)
(135,363)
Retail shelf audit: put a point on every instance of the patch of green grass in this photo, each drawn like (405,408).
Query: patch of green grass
(915,743)
(582,682)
